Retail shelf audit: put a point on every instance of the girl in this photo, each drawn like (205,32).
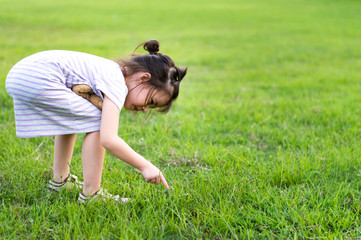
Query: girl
(44,105)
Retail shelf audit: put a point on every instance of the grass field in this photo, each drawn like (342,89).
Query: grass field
(263,142)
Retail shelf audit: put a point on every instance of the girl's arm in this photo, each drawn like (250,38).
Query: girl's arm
(119,148)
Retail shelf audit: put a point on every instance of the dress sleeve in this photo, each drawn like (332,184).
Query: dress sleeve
(113,85)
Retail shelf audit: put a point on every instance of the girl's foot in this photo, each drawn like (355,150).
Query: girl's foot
(71,182)
(102,194)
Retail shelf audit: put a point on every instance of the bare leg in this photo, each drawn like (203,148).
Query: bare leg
(92,158)
(63,151)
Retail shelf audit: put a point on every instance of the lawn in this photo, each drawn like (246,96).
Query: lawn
(262,143)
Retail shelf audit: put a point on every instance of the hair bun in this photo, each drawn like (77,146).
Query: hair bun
(152,47)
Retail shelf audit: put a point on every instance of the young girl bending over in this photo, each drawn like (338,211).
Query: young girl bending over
(44,103)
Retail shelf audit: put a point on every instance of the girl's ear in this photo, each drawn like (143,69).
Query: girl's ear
(144,77)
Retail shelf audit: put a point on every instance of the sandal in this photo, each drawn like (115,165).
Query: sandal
(71,182)
(102,194)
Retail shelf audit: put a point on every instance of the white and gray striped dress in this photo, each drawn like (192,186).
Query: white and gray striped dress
(44,103)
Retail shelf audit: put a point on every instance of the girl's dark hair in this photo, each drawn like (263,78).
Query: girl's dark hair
(165,75)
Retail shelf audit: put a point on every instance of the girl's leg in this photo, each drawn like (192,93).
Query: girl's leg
(63,151)
(92,158)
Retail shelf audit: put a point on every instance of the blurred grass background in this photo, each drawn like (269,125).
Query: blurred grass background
(263,141)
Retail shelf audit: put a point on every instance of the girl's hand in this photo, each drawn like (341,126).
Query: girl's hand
(153,175)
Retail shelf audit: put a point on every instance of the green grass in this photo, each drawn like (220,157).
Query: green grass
(263,142)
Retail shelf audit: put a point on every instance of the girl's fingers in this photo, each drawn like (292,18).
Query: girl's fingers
(162,180)
(158,179)
(152,180)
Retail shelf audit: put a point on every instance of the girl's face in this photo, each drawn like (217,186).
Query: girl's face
(138,98)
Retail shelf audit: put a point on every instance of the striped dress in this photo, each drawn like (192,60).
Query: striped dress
(44,103)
